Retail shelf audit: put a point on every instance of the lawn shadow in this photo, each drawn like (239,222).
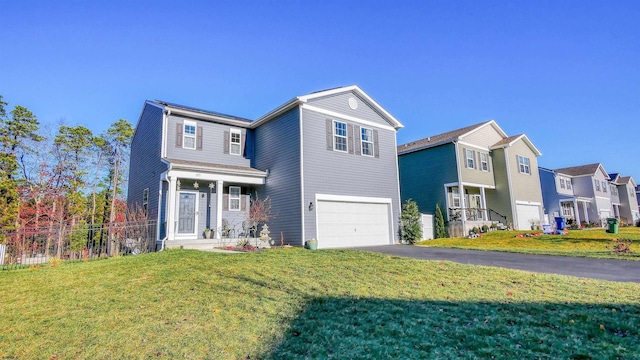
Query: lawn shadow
(352,328)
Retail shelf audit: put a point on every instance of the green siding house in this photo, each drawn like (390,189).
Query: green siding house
(478,175)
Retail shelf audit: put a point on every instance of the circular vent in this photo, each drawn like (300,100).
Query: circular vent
(353,103)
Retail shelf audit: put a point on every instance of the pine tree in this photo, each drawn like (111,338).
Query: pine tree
(410,227)
(439,230)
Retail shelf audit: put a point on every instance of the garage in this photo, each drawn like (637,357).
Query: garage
(343,222)
(527,213)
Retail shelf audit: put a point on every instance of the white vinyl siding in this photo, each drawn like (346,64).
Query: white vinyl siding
(235,142)
(189,135)
(234,198)
(366,136)
(523,165)
(339,136)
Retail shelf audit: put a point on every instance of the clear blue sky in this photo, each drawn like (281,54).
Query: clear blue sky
(566,73)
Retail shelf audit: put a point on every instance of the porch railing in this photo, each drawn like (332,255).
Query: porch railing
(496,216)
(471,214)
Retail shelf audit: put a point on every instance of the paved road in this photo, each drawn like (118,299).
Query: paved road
(605,269)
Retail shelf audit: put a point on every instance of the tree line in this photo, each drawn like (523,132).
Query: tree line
(67,179)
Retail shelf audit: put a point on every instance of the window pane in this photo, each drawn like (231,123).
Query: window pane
(189,142)
(367,135)
(189,130)
(367,148)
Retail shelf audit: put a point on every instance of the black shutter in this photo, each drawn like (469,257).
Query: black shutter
(329,134)
(226,142)
(199,138)
(179,135)
(376,147)
(350,138)
(357,137)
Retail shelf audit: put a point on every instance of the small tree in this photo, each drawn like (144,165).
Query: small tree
(439,231)
(259,213)
(410,227)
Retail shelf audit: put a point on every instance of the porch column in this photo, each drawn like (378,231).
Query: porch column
(463,205)
(219,198)
(576,212)
(483,203)
(171,208)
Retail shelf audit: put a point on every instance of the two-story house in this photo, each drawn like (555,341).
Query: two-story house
(327,162)
(559,198)
(592,192)
(478,175)
(624,198)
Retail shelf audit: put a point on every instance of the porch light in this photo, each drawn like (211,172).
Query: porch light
(212,186)
(196,185)
(178,184)
(310,205)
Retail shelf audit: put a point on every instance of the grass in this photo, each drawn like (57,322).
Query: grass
(578,243)
(292,303)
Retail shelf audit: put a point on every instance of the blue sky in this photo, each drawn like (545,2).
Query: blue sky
(566,73)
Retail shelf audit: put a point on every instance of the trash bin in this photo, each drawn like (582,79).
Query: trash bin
(614,225)
(560,223)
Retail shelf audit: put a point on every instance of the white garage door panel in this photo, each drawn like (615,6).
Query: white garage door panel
(344,224)
(526,213)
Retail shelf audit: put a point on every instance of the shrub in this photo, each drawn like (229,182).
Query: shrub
(439,228)
(485,228)
(410,226)
(475,230)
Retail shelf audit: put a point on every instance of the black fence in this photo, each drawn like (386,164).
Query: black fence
(35,246)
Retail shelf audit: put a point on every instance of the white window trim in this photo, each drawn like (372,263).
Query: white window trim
(522,167)
(335,135)
(604,186)
(597,184)
(363,142)
(185,135)
(239,198)
(472,158)
(562,184)
(231,142)
(484,162)
(568,181)
(454,196)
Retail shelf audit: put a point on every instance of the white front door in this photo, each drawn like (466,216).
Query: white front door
(187,213)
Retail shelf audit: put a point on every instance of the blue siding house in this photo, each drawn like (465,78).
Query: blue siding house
(326,160)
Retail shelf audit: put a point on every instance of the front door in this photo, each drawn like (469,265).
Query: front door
(475,206)
(187,214)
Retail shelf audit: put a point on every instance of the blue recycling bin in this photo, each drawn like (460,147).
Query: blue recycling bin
(560,223)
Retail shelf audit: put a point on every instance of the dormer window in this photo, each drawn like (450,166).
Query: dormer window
(523,165)
(562,186)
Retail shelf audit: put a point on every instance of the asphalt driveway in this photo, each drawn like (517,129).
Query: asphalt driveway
(605,269)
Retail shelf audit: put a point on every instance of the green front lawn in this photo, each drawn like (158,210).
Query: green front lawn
(580,243)
(295,304)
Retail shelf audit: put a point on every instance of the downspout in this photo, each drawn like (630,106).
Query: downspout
(163,178)
(512,201)
(460,188)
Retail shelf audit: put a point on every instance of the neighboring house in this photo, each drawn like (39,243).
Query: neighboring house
(327,161)
(638,196)
(625,205)
(478,175)
(559,197)
(591,193)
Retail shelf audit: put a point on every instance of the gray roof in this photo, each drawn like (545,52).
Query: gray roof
(217,167)
(579,170)
(201,111)
(443,138)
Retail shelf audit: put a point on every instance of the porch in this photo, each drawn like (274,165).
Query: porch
(206,206)
(467,209)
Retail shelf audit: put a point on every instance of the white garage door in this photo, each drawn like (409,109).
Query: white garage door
(527,213)
(348,223)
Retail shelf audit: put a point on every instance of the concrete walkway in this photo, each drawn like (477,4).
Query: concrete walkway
(605,269)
